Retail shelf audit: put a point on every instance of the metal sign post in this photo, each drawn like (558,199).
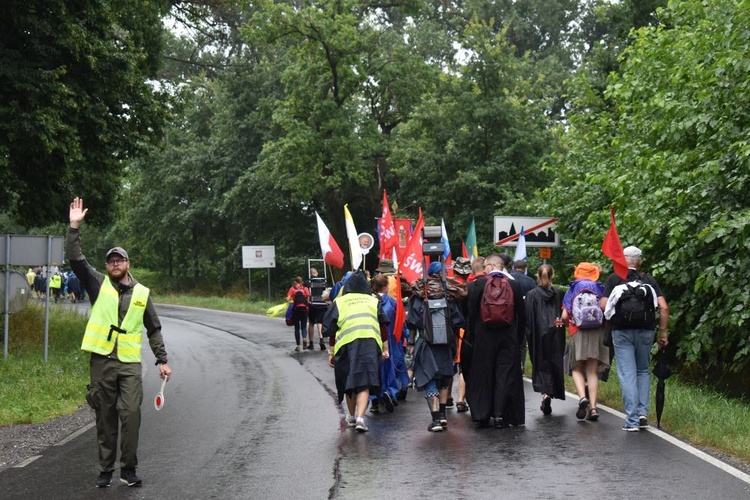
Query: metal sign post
(25,250)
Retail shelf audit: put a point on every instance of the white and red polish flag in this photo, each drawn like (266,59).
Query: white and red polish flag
(332,254)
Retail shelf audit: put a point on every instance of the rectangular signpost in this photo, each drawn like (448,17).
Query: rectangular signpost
(254,257)
(538,231)
(26,250)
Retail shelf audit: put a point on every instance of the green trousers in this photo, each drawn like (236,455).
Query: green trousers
(120,396)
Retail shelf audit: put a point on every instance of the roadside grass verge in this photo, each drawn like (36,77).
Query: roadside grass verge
(34,391)
(220,303)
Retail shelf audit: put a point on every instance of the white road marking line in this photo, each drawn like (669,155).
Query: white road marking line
(76,433)
(684,446)
(26,462)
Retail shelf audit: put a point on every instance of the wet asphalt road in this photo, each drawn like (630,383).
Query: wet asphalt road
(245,417)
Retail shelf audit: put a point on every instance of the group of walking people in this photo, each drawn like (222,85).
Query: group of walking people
(476,325)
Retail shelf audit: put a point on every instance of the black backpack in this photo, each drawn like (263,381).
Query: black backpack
(635,307)
(299,299)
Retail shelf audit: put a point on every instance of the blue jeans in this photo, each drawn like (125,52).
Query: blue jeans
(632,352)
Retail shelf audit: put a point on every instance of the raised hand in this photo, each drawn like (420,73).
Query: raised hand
(77,212)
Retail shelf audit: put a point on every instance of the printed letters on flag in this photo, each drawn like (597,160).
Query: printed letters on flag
(386,230)
(411,265)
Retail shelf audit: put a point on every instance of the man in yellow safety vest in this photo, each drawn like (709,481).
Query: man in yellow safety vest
(120,309)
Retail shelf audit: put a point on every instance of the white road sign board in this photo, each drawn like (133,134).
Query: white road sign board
(258,257)
(538,231)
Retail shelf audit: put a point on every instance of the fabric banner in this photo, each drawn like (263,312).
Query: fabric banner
(612,248)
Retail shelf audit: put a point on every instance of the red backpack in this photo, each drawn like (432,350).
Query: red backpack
(497,301)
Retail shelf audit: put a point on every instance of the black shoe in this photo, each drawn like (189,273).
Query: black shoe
(643,422)
(449,404)
(374,406)
(401,395)
(322,346)
(500,423)
(104,480)
(546,405)
(128,477)
(388,402)
(443,420)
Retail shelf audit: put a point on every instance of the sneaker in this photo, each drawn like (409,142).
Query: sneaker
(450,403)
(435,426)
(310,347)
(643,422)
(351,421)
(104,480)
(582,405)
(128,477)
(443,420)
(627,428)
(546,406)
(388,402)
(296,349)
(322,346)
(360,426)
(374,406)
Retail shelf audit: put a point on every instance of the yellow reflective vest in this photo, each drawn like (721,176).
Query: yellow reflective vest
(358,319)
(55,281)
(103,330)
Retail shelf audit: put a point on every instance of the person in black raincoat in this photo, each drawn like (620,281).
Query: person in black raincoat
(434,363)
(546,338)
(495,385)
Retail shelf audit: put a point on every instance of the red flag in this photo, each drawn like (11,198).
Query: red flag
(464,251)
(387,230)
(612,248)
(398,323)
(411,265)
(403,233)
(332,254)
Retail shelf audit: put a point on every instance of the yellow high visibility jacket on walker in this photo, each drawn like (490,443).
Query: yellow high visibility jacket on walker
(358,319)
(103,330)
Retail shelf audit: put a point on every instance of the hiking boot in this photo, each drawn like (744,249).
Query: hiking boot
(435,426)
(128,477)
(388,402)
(104,480)
(643,422)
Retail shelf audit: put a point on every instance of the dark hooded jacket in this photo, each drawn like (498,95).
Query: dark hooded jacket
(357,283)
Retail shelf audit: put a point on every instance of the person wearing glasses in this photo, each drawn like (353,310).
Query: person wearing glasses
(120,309)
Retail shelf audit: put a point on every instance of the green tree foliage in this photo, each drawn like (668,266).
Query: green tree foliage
(673,155)
(74,101)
